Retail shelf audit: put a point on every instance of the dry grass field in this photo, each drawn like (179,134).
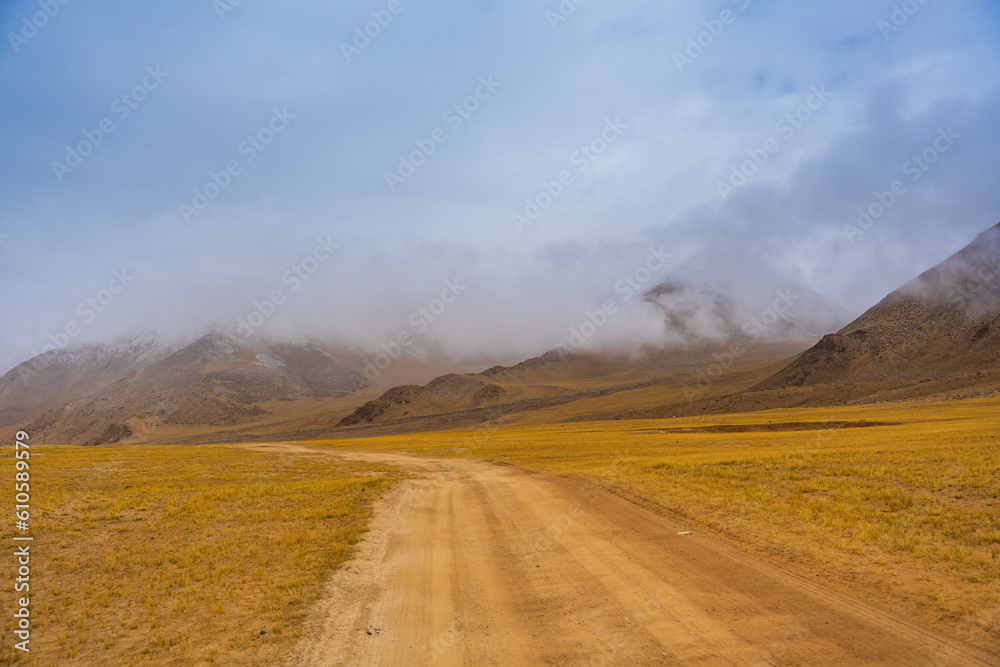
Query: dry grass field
(905,514)
(194,555)
(184,555)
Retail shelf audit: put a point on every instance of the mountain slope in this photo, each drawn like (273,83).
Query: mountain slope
(938,335)
(941,330)
(700,320)
(60,376)
(99,394)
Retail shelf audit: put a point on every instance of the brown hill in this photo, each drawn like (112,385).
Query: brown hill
(552,379)
(445,394)
(937,336)
(105,393)
(767,318)
(718,343)
(61,376)
(939,332)
(708,308)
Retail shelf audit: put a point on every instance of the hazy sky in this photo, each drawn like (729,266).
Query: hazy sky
(642,108)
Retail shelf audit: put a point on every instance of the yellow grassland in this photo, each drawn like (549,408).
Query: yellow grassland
(183,555)
(906,516)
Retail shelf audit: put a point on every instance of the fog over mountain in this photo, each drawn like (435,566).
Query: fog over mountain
(255,165)
(938,333)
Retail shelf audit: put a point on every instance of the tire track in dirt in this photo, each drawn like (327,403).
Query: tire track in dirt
(473,563)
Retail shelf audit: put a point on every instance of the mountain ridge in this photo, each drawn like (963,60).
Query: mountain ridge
(732,348)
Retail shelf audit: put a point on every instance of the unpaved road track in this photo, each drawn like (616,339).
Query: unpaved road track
(474,563)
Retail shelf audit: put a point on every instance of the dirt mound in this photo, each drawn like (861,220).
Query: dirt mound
(448,393)
(110,435)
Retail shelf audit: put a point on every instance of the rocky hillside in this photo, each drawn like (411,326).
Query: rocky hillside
(940,330)
(700,320)
(104,393)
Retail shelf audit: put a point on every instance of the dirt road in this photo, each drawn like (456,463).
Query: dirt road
(481,564)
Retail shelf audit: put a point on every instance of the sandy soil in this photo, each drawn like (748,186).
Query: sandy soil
(474,563)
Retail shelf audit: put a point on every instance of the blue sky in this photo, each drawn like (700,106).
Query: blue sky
(556,86)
